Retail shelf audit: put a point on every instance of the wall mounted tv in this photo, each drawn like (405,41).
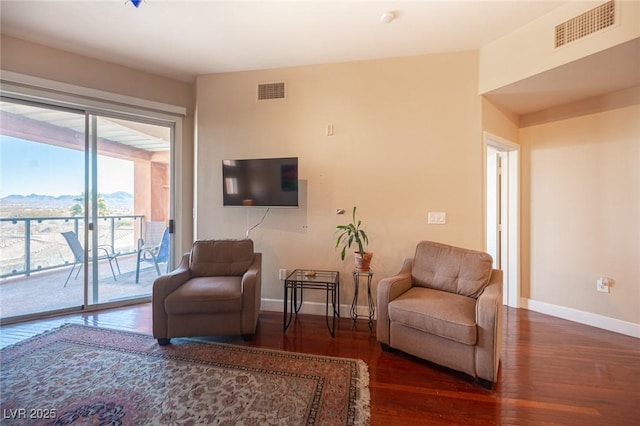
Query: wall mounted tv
(260,182)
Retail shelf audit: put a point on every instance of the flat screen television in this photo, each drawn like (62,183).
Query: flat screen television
(260,182)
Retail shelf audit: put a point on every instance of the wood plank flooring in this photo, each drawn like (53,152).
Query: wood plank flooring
(552,371)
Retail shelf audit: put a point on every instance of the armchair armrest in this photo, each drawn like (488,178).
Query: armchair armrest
(251,278)
(489,323)
(162,287)
(251,294)
(389,289)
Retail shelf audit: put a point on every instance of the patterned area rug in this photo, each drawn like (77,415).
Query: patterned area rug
(86,375)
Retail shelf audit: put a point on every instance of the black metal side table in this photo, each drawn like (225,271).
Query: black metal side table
(301,279)
(354,305)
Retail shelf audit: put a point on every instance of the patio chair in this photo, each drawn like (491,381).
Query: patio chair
(156,254)
(153,232)
(150,243)
(105,252)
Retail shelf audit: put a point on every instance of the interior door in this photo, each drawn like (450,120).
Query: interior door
(493,202)
(503,206)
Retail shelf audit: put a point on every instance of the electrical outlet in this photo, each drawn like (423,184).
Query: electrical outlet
(602,285)
(437,218)
(282,274)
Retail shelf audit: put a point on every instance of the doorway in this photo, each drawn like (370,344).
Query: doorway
(502,201)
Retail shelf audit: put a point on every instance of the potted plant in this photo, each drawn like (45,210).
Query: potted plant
(352,234)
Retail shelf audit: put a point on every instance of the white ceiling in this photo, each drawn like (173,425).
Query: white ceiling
(183,39)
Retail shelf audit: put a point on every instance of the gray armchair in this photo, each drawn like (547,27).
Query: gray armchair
(215,291)
(445,306)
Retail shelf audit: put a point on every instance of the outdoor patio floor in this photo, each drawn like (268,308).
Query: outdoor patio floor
(45,291)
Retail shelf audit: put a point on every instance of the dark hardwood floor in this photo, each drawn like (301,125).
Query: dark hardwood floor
(552,371)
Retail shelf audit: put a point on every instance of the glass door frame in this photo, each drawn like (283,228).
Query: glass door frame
(52,94)
(92,295)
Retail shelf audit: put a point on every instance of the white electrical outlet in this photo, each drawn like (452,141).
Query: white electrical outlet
(437,218)
(282,274)
(602,285)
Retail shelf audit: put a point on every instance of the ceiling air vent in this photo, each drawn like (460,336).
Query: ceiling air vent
(593,20)
(267,91)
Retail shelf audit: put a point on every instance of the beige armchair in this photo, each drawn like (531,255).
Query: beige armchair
(445,306)
(215,291)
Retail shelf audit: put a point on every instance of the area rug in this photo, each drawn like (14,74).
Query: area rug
(86,375)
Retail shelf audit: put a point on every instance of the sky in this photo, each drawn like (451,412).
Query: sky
(36,168)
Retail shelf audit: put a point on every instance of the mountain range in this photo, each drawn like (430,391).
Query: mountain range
(118,200)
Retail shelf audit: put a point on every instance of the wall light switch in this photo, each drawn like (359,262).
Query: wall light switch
(329,129)
(437,218)
(602,284)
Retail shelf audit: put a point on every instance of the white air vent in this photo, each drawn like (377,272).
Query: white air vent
(267,91)
(596,19)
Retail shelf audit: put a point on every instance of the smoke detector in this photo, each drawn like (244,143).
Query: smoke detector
(387,17)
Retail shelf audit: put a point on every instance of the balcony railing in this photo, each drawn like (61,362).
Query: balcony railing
(36,244)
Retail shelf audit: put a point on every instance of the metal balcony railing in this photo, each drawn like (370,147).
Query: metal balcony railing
(36,244)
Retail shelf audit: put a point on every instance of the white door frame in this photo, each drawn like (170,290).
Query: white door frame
(510,213)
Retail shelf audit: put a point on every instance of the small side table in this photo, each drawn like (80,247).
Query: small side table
(301,279)
(354,305)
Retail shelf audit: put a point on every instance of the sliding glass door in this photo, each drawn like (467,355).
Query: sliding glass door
(80,193)
(130,208)
(42,171)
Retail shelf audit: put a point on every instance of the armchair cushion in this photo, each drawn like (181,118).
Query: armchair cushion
(447,315)
(221,257)
(452,269)
(205,295)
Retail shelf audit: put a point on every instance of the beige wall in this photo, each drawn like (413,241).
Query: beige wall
(39,61)
(499,122)
(407,140)
(583,211)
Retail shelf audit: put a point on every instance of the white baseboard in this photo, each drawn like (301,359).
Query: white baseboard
(582,317)
(312,308)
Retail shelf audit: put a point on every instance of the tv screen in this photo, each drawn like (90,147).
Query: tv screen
(261,182)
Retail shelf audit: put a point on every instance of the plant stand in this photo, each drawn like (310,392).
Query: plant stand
(354,305)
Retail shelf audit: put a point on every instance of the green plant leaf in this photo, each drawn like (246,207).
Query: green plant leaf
(351,233)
